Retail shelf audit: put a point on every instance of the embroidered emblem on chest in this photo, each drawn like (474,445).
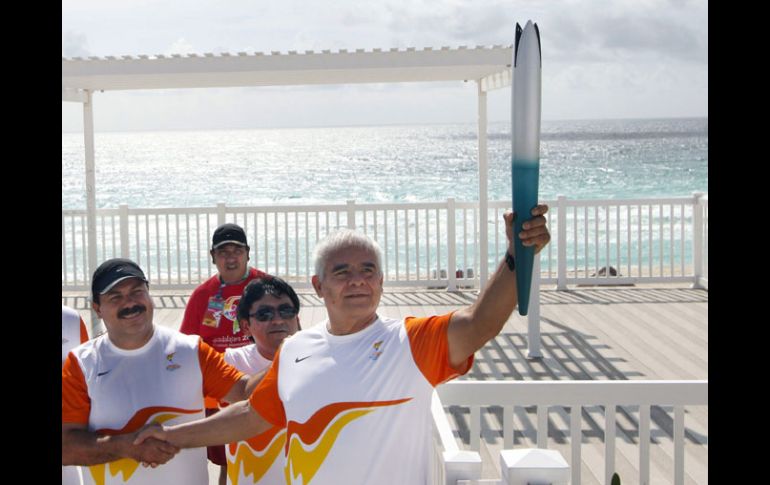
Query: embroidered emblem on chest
(172,365)
(377,352)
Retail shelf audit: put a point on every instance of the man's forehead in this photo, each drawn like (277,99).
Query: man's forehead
(364,264)
(269,299)
(352,255)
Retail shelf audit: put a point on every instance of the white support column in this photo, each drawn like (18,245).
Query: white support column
(483,199)
(697,240)
(88,134)
(561,217)
(533,316)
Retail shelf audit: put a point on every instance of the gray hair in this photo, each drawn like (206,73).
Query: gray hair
(343,239)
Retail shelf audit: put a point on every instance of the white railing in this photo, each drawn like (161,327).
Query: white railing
(650,240)
(701,241)
(450,463)
(569,398)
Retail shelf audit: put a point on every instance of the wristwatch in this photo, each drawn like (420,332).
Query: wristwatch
(510,261)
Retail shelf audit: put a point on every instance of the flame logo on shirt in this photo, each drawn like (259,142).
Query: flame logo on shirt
(321,430)
(257,454)
(171,365)
(230,309)
(127,466)
(377,352)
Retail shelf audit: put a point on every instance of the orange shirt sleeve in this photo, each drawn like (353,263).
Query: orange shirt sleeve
(83,331)
(75,403)
(265,399)
(430,348)
(218,376)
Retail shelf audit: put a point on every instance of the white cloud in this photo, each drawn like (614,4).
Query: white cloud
(74,44)
(600,57)
(180,46)
(622,30)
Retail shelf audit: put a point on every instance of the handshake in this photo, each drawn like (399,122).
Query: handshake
(149,446)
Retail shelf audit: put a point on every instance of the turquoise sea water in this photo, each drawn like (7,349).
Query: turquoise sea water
(602,159)
(599,159)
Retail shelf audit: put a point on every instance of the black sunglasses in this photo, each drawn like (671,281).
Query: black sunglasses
(267,313)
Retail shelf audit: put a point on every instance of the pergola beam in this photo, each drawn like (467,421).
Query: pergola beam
(276,69)
(73,95)
(497,80)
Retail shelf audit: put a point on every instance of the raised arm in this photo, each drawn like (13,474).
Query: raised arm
(471,327)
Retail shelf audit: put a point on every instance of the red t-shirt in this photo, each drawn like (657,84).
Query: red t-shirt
(213,318)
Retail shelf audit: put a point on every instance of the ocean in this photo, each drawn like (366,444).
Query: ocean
(588,159)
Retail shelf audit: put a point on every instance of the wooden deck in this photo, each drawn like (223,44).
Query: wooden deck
(611,333)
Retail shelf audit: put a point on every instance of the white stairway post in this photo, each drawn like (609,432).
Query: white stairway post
(525,466)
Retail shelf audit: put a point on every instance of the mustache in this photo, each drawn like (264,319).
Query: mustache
(127,311)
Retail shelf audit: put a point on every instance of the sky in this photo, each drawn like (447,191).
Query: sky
(602,59)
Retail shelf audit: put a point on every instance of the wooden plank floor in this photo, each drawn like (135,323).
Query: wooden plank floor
(601,333)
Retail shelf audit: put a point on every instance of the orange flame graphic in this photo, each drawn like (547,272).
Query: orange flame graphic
(128,466)
(257,456)
(319,429)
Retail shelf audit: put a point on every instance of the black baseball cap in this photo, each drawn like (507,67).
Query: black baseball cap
(111,272)
(228,234)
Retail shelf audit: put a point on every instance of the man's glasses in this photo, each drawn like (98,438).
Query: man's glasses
(267,313)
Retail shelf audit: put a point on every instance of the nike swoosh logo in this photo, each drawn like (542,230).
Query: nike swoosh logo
(103,373)
(297,359)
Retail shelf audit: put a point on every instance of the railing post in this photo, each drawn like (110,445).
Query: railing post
(220,213)
(351,206)
(123,216)
(533,465)
(561,218)
(697,240)
(533,316)
(461,465)
(451,246)
(453,464)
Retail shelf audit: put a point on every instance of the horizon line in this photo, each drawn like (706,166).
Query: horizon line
(364,125)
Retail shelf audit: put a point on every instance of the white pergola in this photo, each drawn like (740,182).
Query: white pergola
(489,67)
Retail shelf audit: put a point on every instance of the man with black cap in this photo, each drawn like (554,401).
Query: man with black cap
(134,374)
(211,311)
